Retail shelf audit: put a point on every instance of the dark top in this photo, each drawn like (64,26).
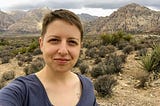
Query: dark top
(29,91)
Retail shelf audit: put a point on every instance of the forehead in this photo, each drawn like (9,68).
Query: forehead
(61,27)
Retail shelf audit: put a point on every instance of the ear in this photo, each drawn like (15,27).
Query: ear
(41,43)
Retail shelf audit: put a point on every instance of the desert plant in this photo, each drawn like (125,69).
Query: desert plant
(113,63)
(128,37)
(103,50)
(98,70)
(3,42)
(107,39)
(79,61)
(151,61)
(142,52)
(148,62)
(5,59)
(7,76)
(128,49)
(34,44)
(34,67)
(104,85)
(83,68)
(97,60)
(91,52)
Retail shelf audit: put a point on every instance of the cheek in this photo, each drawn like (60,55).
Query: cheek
(76,52)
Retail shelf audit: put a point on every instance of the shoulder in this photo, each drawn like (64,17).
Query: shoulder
(86,82)
(19,84)
(84,78)
(15,91)
(24,80)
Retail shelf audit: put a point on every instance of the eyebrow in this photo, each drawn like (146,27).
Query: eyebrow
(72,38)
(50,36)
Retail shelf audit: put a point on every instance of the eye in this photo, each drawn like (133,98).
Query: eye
(72,42)
(54,40)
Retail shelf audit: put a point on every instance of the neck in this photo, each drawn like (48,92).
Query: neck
(55,76)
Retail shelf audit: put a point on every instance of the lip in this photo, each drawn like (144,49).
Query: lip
(61,60)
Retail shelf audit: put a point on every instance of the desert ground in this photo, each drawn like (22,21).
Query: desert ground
(125,93)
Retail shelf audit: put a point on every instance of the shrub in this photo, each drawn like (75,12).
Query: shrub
(5,59)
(98,70)
(91,52)
(3,42)
(27,57)
(37,51)
(113,63)
(103,50)
(122,44)
(78,62)
(147,62)
(142,52)
(97,60)
(7,76)
(128,49)
(107,39)
(127,37)
(34,67)
(104,85)
(34,44)
(151,62)
(83,68)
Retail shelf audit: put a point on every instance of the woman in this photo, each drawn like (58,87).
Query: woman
(55,84)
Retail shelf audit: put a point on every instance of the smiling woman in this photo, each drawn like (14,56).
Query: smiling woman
(55,84)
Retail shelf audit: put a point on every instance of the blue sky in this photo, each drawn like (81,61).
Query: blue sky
(93,7)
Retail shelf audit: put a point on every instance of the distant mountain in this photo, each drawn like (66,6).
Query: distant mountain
(5,21)
(132,18)
(30,22)
(86,17)
(16,15)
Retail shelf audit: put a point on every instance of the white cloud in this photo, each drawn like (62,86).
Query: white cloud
(94,11)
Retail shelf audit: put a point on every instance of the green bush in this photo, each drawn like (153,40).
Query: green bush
(83,68)
(98,70)
(128,49)
(114,63)
(104,85)
(151,61)
(5,59)
(107,39)
(103,50)
(3,42)
(92,52)
(34,67)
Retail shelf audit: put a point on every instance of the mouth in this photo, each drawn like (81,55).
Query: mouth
(62,60)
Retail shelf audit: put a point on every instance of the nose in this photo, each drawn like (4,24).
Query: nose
(63,49)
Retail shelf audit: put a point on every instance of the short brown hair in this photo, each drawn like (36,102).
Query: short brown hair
(62,14)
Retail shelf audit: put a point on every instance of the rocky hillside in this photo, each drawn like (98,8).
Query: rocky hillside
(28,22)
(132,18)
(5,21)
(87,18)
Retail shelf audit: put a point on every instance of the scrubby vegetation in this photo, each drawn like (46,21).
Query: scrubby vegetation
(102,58)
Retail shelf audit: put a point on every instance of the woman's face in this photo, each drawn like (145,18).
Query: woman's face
(61,45)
